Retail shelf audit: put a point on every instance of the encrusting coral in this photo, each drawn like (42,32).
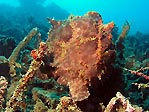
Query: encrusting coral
(82,48)
(3,87)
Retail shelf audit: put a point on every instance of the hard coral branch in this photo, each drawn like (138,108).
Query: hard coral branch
(16,99)
(138,73)
(16,51)
(13,57)
(141,85)
(125,30)
(119,43)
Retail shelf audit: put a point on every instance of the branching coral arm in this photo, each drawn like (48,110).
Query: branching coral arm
(16,51)
(16,99)
(12,59)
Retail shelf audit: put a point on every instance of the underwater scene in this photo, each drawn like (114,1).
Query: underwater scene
(74,56)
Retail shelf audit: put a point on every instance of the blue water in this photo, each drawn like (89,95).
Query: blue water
(134,11)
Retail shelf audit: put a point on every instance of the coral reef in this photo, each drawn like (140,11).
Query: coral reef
(77,69)
(135,69)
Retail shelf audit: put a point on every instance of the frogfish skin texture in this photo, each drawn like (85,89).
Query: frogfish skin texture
(82,49)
